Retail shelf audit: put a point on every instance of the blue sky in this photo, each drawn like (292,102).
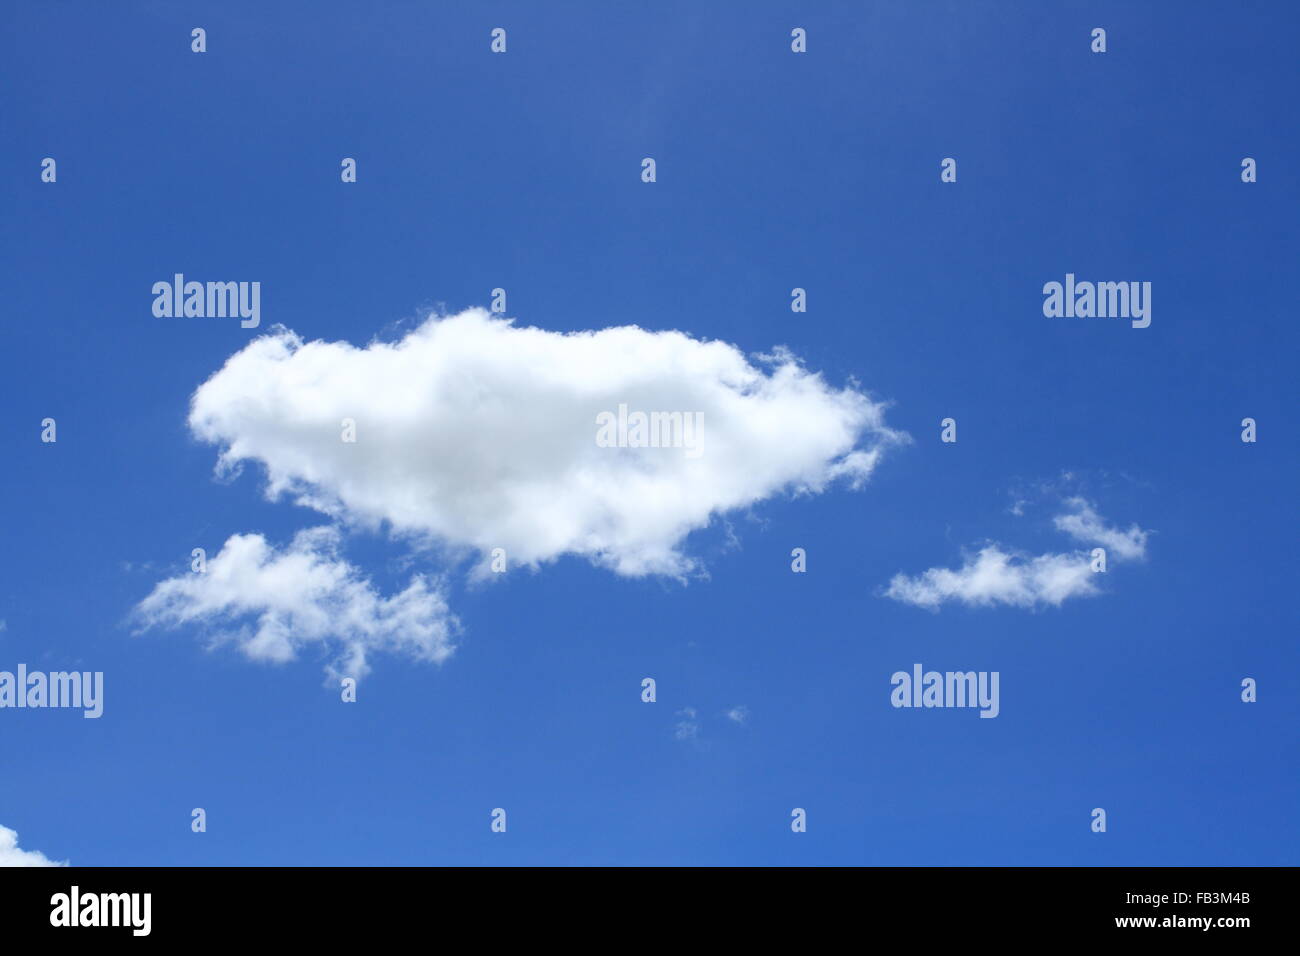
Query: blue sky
(774,170)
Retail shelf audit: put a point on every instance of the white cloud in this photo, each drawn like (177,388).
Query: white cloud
(478,434)
(739,714)
(995,576)
(1084,524)
(274,603)
(688,728)
(1001,576)
(11,855)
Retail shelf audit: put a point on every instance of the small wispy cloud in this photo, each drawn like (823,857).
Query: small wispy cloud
(1084,524)
(688,726)
(996,575)
(738,714)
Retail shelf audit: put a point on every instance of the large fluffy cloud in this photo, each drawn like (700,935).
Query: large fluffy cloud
(12,855)
(479,434)
(996,575)
(273,603)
